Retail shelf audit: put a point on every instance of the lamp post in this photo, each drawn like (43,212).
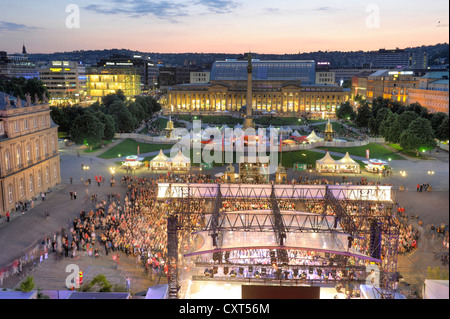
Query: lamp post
(430,173)
(85,169)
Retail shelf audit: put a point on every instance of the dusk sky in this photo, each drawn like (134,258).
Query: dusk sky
(222,26)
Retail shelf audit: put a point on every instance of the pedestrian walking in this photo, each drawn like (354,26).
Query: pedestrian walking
(74,195)
(7,216)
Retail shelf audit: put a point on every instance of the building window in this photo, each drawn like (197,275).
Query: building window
(25,124)
(31,183)
(7,161)
(39,179)
(28,153)
(10,193)
(45,147)
(47,174)
(21,190)
(55,174)
(19,156)
(37,149)
(16,126)
(35,122)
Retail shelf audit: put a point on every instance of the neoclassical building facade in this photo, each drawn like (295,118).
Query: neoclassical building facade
(29,157)
(283,86)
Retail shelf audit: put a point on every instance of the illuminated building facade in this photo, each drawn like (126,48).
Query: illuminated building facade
(432,92)
(17,65)
(64,79)
(283,86)
(104,81)
(391,84)
(145,68)
(29,157)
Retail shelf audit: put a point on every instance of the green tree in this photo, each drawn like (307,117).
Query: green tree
(35,87)
(401,124)
(363,115)
(137,111)
(27,285)
(386,126)
(98,283)
(109,123)
(376,121)
(109,99)
(418,136)
(125,121)
(443,133)
(345,111)
(436,121)
(87,129)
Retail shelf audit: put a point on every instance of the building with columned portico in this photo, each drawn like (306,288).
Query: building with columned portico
(286,87)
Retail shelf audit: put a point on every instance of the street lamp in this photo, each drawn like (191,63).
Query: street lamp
(430,173)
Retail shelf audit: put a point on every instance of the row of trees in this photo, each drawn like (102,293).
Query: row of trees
(20,86)
(412,126)
(100,121)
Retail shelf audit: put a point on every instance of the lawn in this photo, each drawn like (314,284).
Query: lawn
(129,147)
(375,151)
(408,153)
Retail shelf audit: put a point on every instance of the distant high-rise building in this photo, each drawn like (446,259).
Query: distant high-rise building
(64,79)
(146,68)
(18,65)
(103,81)
(383,58)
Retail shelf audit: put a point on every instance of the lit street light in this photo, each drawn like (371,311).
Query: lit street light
(430,173)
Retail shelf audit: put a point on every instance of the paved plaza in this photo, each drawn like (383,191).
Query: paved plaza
(27,230)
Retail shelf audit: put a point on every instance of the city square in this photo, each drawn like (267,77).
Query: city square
(249,175)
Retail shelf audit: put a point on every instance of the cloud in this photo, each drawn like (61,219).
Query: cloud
(10,26)
(325,9)
(162,9)
(272,10)
(138,8)
(219,6)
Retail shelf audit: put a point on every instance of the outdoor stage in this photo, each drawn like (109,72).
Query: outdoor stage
(274,247)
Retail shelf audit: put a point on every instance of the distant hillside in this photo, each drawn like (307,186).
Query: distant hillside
(437,54)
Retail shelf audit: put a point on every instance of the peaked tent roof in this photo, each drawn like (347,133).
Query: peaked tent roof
(313,137)
(346,160)
(160,158)
(180,158)
(327,159)
(296,133)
